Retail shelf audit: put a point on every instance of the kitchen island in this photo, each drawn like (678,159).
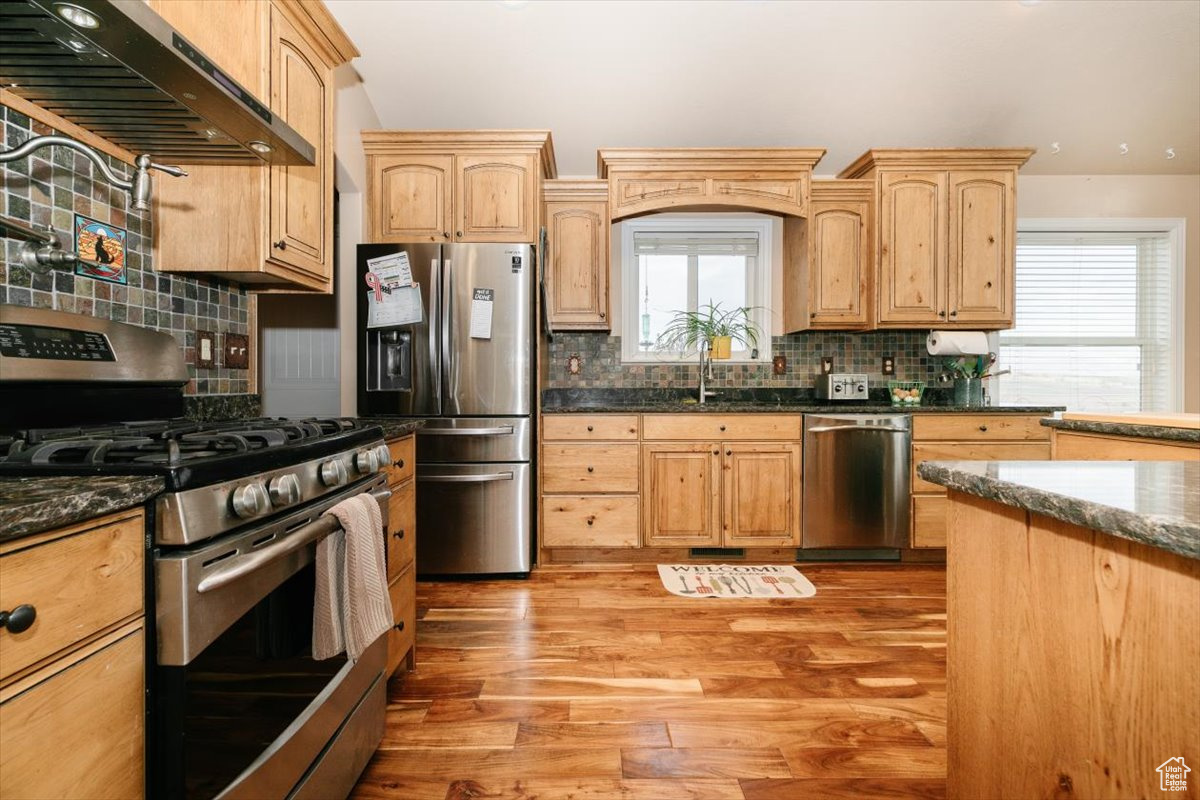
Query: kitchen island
(1073,608)
(1146,436)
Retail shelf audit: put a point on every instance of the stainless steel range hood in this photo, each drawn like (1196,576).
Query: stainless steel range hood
(133,80)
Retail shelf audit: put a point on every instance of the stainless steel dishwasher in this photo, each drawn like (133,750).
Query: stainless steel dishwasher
(856,480)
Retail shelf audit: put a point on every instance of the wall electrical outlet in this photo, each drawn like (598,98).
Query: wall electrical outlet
(779,365)
(827,365)
(889,365)
(206,349)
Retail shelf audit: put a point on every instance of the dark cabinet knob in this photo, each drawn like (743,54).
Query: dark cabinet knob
(983,428)
(399,534)
(722,427)
(728,452)
(280,245)
(716,452)
(941,313)
(400,625)
(590,428)
(19,619)
(591,469)
(601,315)
(458,234)
(446,234)
(953,313)
(590,520)
(398,463)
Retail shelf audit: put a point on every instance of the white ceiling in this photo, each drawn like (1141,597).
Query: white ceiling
(846,76)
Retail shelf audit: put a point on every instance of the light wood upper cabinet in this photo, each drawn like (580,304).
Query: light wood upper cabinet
(413,195)
(681,494)
(762,495)
(577,266)
(829,268)
(266,227)
(461,186)
(774,179)
(982,247)
(912,249)
(301,206)
(946,240)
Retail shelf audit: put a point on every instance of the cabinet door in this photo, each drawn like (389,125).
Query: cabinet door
(681,496)
(301,214)
(410,198)
(577,271)
(982,247)
(839,277)
(912,247)
(495,198)
(762,495)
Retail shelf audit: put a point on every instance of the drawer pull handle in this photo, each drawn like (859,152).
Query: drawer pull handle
(591,469)
(716,452)
(399,534)
(20,618)
(722,427)
(983,428)
(398,463)
(400,625)
(590,520)
(590,429)
(728,452)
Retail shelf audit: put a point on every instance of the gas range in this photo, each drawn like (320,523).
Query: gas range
(218,475)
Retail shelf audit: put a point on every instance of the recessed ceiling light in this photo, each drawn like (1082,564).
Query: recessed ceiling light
(260,147)
(1029,2)
(79,17)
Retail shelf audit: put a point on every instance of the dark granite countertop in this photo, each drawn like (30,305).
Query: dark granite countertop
(1124,429)
(32,505)
(394,427)
(1156,503)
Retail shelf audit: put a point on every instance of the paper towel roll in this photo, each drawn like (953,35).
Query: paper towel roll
(957,343)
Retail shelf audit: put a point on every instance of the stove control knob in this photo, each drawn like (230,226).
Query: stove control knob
(383,456)
(250,500)
(285,490)
(333,473)
(366,462)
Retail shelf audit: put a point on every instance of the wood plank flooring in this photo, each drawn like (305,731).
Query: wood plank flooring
(600,685)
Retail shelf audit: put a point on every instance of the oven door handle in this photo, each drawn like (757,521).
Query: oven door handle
(484,477)
(312,532)
(502,430)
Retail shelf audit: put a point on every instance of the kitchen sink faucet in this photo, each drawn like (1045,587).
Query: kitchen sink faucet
(705,364)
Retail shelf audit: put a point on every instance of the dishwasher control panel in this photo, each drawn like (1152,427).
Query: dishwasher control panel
(842,386)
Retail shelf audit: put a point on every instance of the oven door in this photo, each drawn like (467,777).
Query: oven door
(241,708)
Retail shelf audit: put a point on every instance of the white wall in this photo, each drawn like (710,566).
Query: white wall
(1150,196)
(354,114)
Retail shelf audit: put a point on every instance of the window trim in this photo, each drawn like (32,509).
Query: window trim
(761,224)
(1175,229)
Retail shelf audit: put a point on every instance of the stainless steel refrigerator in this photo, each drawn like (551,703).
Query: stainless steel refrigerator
(467,368)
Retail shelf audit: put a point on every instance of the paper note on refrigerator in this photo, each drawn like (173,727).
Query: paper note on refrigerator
(481,313)
(393,270)
(397,306)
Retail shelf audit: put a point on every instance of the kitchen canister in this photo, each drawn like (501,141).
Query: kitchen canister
(968,391)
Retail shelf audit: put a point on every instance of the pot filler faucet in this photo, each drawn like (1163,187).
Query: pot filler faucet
(43,250)
(138,187)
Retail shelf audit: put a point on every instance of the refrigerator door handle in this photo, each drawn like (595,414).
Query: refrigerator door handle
(434,322)
(505,430)
(449,363)
(486,477)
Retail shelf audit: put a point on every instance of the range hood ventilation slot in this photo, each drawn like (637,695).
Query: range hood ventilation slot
(137,83)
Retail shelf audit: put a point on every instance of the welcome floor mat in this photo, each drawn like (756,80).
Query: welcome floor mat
(735,580)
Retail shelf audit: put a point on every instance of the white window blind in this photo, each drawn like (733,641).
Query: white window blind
(1093,322)
(693,244)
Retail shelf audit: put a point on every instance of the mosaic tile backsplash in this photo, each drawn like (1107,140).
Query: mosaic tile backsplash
(601,367)
(53,185)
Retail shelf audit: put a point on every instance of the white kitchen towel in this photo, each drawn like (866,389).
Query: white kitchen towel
(957,343)
(352,607)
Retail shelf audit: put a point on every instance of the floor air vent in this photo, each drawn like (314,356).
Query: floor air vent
(717,552)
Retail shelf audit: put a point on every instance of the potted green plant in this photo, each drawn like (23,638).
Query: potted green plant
(711,323)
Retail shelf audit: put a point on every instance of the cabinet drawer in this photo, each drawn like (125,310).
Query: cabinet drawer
(971,451)
(403,452)
(584,427)
(1070,446)
(980,427)
(929,520)
(79,585)
(722,427)
(402,528)
(589,468)
(80,732)
(402,636)
(595,521)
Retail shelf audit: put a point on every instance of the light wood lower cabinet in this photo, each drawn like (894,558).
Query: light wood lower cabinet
(1073,446)
(590,521)
(722,494)
(401,553)
(72,700)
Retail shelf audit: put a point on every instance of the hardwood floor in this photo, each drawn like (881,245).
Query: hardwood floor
(598,685)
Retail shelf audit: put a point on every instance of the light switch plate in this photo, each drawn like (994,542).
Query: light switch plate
(206,349)
(237,351)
